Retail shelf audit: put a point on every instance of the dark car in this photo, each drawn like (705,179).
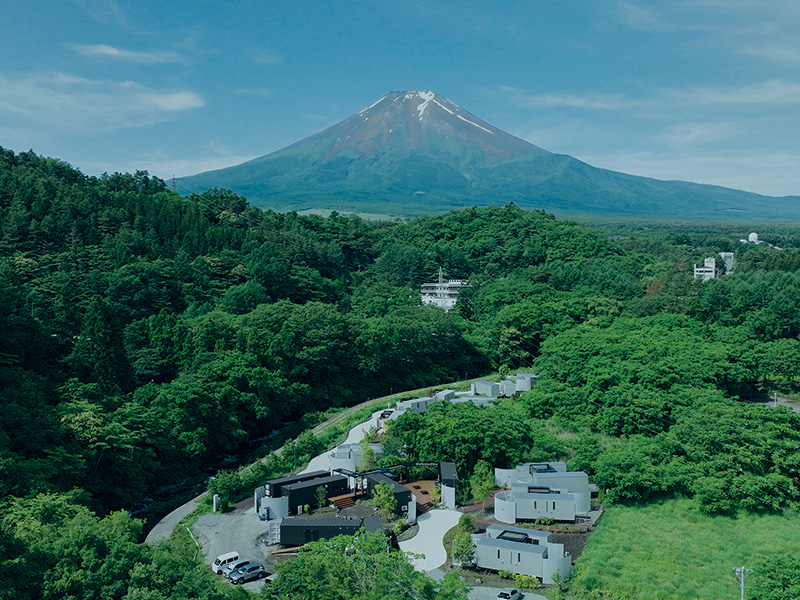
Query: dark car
(247,573)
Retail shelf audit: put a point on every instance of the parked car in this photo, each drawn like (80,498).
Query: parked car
(222,560)
(247,573)
(509,594)
(235,565)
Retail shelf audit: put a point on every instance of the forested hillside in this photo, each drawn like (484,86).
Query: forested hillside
(145,334)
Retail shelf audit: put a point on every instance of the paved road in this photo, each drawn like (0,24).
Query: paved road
(428,541)
(164,527)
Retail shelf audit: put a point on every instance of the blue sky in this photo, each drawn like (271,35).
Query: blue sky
(700,90)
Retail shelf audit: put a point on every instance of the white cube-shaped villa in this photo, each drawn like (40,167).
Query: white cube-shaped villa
(490,389)
(350,456)
(523,382)
(417,405)
(526,551)
(541,490)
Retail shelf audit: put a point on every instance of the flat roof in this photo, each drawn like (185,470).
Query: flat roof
(514,546)
(315,482)
(530,532)
(301,477)
(380,477)
(312,523)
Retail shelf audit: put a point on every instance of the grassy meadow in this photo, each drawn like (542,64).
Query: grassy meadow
(671,550)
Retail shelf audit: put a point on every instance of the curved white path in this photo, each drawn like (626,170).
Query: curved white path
(428,541)
(323,461)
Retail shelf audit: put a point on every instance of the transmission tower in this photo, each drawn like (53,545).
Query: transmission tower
(740,574)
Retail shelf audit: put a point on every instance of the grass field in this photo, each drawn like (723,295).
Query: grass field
(670,550)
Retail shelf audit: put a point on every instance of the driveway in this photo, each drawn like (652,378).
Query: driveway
(164,527)
(428,541)
(356,434)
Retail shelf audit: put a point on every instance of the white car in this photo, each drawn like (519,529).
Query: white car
(509,594)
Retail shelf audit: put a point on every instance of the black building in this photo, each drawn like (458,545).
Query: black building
(402,494)
(305,492)
(448,474)
(274,487)
(296,532)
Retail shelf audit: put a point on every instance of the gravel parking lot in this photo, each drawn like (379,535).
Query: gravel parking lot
(239,530)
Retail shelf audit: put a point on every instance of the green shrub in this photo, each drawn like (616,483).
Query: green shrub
(526,582)
(506,574)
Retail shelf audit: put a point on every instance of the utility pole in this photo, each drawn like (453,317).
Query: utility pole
(740,573)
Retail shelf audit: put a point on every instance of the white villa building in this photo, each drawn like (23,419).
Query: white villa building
(526,551)
(541,490)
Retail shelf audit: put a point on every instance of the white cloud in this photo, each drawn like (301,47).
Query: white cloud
(683,135)
(103,51)
(568,100)
(772,92)
(104,11)
(643,19)
(68,103)
(266,58)
(778,53)
(767,93)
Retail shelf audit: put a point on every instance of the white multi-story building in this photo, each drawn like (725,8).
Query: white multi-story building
(442,293)
(541,490)
(712,270)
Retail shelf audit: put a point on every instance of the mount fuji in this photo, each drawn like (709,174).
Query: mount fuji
(413,153)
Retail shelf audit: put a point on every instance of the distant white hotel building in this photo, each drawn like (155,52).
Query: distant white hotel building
(712,270)
(442,293)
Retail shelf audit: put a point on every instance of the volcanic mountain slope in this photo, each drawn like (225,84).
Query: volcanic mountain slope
(416,152)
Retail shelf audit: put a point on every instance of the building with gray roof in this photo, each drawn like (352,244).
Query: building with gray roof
(521,550)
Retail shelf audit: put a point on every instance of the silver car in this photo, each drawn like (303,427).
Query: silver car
(235,565)
(247,573)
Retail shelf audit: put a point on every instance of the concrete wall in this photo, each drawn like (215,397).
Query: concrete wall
(278,507)
(504,477)
(556,562)
(516,560)
(490,389)
(448,497)
(445,395)
(560,507)
(505,509)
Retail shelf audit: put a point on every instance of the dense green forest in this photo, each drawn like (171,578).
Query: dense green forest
(146,334)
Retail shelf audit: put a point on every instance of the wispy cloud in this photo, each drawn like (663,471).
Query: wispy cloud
(104,11)
(103,51)
(777,53)
(569,100)
(266,58)
(774,92)
(65,102)
(767,93)
(642,18)
(684,135)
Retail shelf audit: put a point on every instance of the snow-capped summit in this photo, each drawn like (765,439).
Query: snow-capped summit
(421,121)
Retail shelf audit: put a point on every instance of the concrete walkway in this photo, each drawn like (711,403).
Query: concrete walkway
(323,461)
(428,541)
(164,527)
